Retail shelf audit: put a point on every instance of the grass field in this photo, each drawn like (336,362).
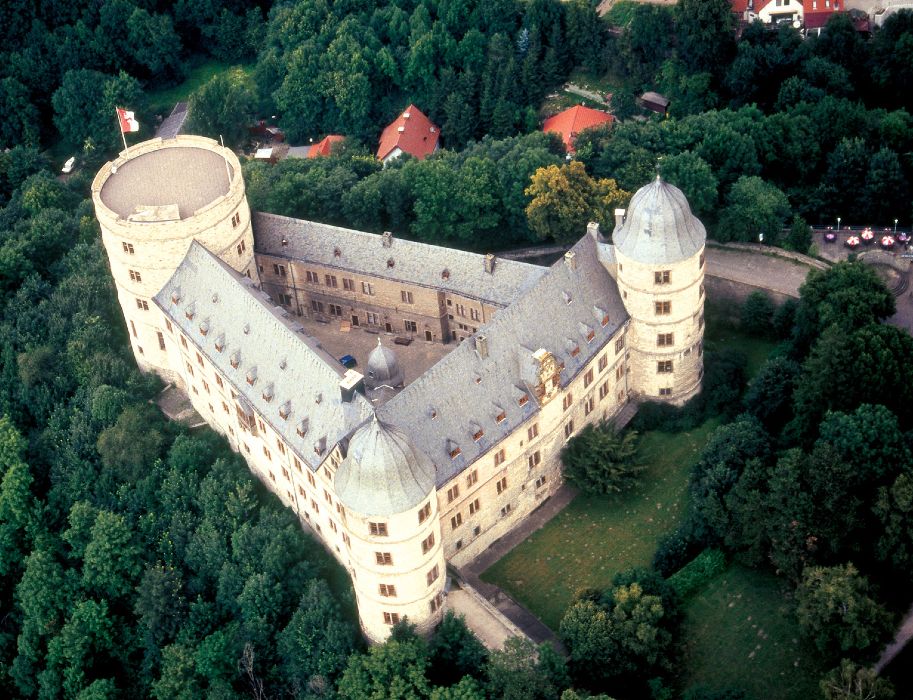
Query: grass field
(740,633)
(596,537)
(161,101)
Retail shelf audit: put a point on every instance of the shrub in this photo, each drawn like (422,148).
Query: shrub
(600,460)
(675,549)
(757,315)
(698,572)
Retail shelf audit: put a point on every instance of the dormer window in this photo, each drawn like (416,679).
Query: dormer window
(390,262)
(188,312)
(567,297)
(445,274)
(320,446)
(204,328)
(590,335)
(251,375)
(235,360)
(432,413)
(575,351)
(336,252)
(302,428)
(478,434)
(175,297)
(455,452)
(285,410)
(268,393)
(220,343)
(605,321)
(501,417)
(522,400)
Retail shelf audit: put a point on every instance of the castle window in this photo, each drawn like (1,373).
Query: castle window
(588,405)
(367,288)
(475,314)
(661,277)
(424,513)
(142,305)
(435,603)
(266,452)
(286,474)
(190,369)
(297,464)
(663,308)
(456,521)
(568,400)
(619,371)
(540,482)
(452,493)
(619,345)
(206,389)
(666,391)
(433,575)
(169,326)
(135,276)
(532,431)
(311,277)
(331,281)
(391,618)
(183,339)
(603,362)
(472,478)
(335,310)
(348,284)
(128,247)
(235,219)
(500,457)
(664,339)
(225,407)
(317,306)
(664,366)
(603,390)
(588,377)
(534,459)
(387,590)
(701,262)
(410,326)
(311,480)
(279,270)
(502,485)
(474,507)
(161,340)
(405,296)
(241,247)
(505,510)
(381,558)
(568,429)
(428,543)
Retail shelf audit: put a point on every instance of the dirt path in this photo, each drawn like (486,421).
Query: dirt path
(589,94)
(900,641)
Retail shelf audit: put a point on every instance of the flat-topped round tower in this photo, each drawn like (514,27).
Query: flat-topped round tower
(659,251)
(151,202)
(387,486)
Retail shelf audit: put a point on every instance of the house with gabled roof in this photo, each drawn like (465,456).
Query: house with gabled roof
(411,132)
(569,123)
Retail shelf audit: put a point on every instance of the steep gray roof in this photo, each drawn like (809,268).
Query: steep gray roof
(383,368)
(383,473)
(416,263)
(659,226)
(464,393)
(279,367)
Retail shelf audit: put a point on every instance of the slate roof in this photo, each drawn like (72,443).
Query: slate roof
(572,121)
(186,176)
(413,263)
(659,226)
(172,125)
(383,473)
(444,408)
(383,368)
(412,132)
(301,379)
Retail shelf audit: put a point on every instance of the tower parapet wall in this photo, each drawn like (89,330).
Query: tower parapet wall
(151,202)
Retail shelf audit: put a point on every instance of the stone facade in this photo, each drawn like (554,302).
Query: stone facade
(471,447)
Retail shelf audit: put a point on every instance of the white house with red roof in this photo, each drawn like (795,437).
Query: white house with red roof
(569,123)
(411,132)
(812,14)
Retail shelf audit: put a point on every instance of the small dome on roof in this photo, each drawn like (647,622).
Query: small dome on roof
(383,368)
(659,226)
(383,472)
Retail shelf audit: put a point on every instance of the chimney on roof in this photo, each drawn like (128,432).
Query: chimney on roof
(406,115)
(620,216)
(387,239)
(352,383)
(570,258)
(482,346)
(400,129)
(592,228)
(489,263)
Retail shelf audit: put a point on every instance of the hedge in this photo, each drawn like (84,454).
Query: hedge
(698,572)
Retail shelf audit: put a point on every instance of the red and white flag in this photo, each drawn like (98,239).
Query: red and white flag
(127,121)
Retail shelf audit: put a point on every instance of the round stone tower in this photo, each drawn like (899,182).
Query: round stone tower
(388,489)
(383,368)
(659,251)
(151,202)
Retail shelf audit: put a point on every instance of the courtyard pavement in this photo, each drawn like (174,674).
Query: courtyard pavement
(757,269)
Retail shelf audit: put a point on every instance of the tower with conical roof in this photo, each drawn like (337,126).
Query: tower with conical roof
(659,253)
(383,368)
(387,486)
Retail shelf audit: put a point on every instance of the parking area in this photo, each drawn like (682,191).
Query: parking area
(339,338)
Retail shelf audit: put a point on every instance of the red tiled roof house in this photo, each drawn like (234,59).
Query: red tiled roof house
(411,132)
(571,122)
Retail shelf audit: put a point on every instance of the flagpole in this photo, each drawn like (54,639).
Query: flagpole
(227,170)
(121,127)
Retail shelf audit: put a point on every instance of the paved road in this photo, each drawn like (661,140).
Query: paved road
(757,269)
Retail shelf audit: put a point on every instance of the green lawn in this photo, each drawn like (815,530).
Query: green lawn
(161,101)
(723,336)
(739,632)
(596,537)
